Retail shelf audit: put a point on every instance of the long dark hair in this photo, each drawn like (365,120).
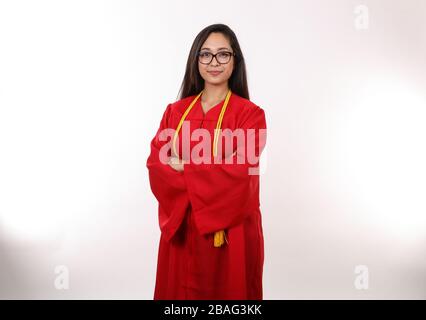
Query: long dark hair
(193,83)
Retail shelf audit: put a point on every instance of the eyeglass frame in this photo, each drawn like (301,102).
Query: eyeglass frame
(214,56)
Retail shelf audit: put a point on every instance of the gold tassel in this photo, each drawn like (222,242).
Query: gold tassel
(220,238)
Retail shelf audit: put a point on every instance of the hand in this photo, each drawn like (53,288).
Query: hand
(177,164)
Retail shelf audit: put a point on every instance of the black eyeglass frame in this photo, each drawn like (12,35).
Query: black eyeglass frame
(213,56)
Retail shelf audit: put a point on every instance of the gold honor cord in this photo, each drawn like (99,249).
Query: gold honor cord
(219,123)
(182,120)
(219,236)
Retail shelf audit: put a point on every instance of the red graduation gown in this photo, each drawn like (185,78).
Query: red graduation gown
(203,199)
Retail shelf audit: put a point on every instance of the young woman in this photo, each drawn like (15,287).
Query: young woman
(211,244)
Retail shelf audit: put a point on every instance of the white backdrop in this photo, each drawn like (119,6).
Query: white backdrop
(83,85)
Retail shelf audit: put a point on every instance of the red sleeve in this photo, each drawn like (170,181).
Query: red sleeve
(167,184)
(223,195)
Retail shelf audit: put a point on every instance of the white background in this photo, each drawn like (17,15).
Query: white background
(83,86)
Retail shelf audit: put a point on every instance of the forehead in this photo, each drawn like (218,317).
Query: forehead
(216,41)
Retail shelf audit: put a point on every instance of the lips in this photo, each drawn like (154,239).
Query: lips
(214,73)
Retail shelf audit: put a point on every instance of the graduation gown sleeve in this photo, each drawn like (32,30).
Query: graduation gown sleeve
(223,195)
(167,184)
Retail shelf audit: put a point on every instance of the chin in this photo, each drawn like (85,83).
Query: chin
(214,80)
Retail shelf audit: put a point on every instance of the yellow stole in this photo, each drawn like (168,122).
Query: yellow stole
(219,236)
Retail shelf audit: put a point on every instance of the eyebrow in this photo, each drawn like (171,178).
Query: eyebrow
(217,49)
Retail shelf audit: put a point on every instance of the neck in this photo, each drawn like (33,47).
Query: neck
(214,93)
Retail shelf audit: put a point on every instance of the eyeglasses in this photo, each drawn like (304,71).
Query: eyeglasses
(222,57)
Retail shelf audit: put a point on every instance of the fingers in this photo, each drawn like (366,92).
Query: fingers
(175,160)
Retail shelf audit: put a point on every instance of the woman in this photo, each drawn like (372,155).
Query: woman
(211,244)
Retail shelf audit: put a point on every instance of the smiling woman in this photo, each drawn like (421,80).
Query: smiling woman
(211,244)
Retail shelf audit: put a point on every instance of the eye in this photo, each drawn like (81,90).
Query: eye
(224,54)
(205,54)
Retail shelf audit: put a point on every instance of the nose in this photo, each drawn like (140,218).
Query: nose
(213,63)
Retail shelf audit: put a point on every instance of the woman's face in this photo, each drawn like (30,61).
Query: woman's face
(216,43)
